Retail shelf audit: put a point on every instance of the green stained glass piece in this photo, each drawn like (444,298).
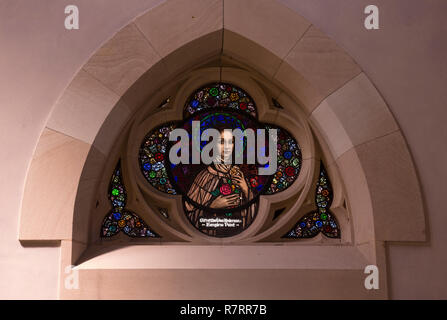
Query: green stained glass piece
(214,92)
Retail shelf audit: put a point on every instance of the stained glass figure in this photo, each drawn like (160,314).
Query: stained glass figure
(322,219)
(120,219)
(222,199)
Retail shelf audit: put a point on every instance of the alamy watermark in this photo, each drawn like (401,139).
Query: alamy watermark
(226,146)
(372,280)
(71,21)
(71,281)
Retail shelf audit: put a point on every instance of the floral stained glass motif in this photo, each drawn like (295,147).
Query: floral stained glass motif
(220,95)
(288,161)
(152,156)
(322,219)
(120,219)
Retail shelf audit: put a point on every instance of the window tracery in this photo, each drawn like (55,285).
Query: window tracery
(219,201)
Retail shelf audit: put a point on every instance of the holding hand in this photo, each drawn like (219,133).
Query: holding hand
(238,177)
(225,201)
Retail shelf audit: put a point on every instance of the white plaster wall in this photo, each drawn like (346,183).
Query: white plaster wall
(405,60)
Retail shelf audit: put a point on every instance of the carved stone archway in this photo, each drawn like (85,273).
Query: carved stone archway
(154,55)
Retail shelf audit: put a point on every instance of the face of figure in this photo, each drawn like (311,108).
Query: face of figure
(225,145)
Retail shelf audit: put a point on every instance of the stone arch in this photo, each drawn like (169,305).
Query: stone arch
(151,56)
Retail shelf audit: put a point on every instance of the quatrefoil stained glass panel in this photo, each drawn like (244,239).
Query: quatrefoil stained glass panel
(219,200)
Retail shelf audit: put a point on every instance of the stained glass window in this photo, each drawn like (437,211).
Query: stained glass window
(219,96)
(289,161)
(119,218)
(239,185)
(322,219)
(152,158)
(219,199)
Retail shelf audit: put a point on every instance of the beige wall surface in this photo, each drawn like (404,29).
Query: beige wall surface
(405,59)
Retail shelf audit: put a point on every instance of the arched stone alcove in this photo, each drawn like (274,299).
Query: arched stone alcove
(298,65)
